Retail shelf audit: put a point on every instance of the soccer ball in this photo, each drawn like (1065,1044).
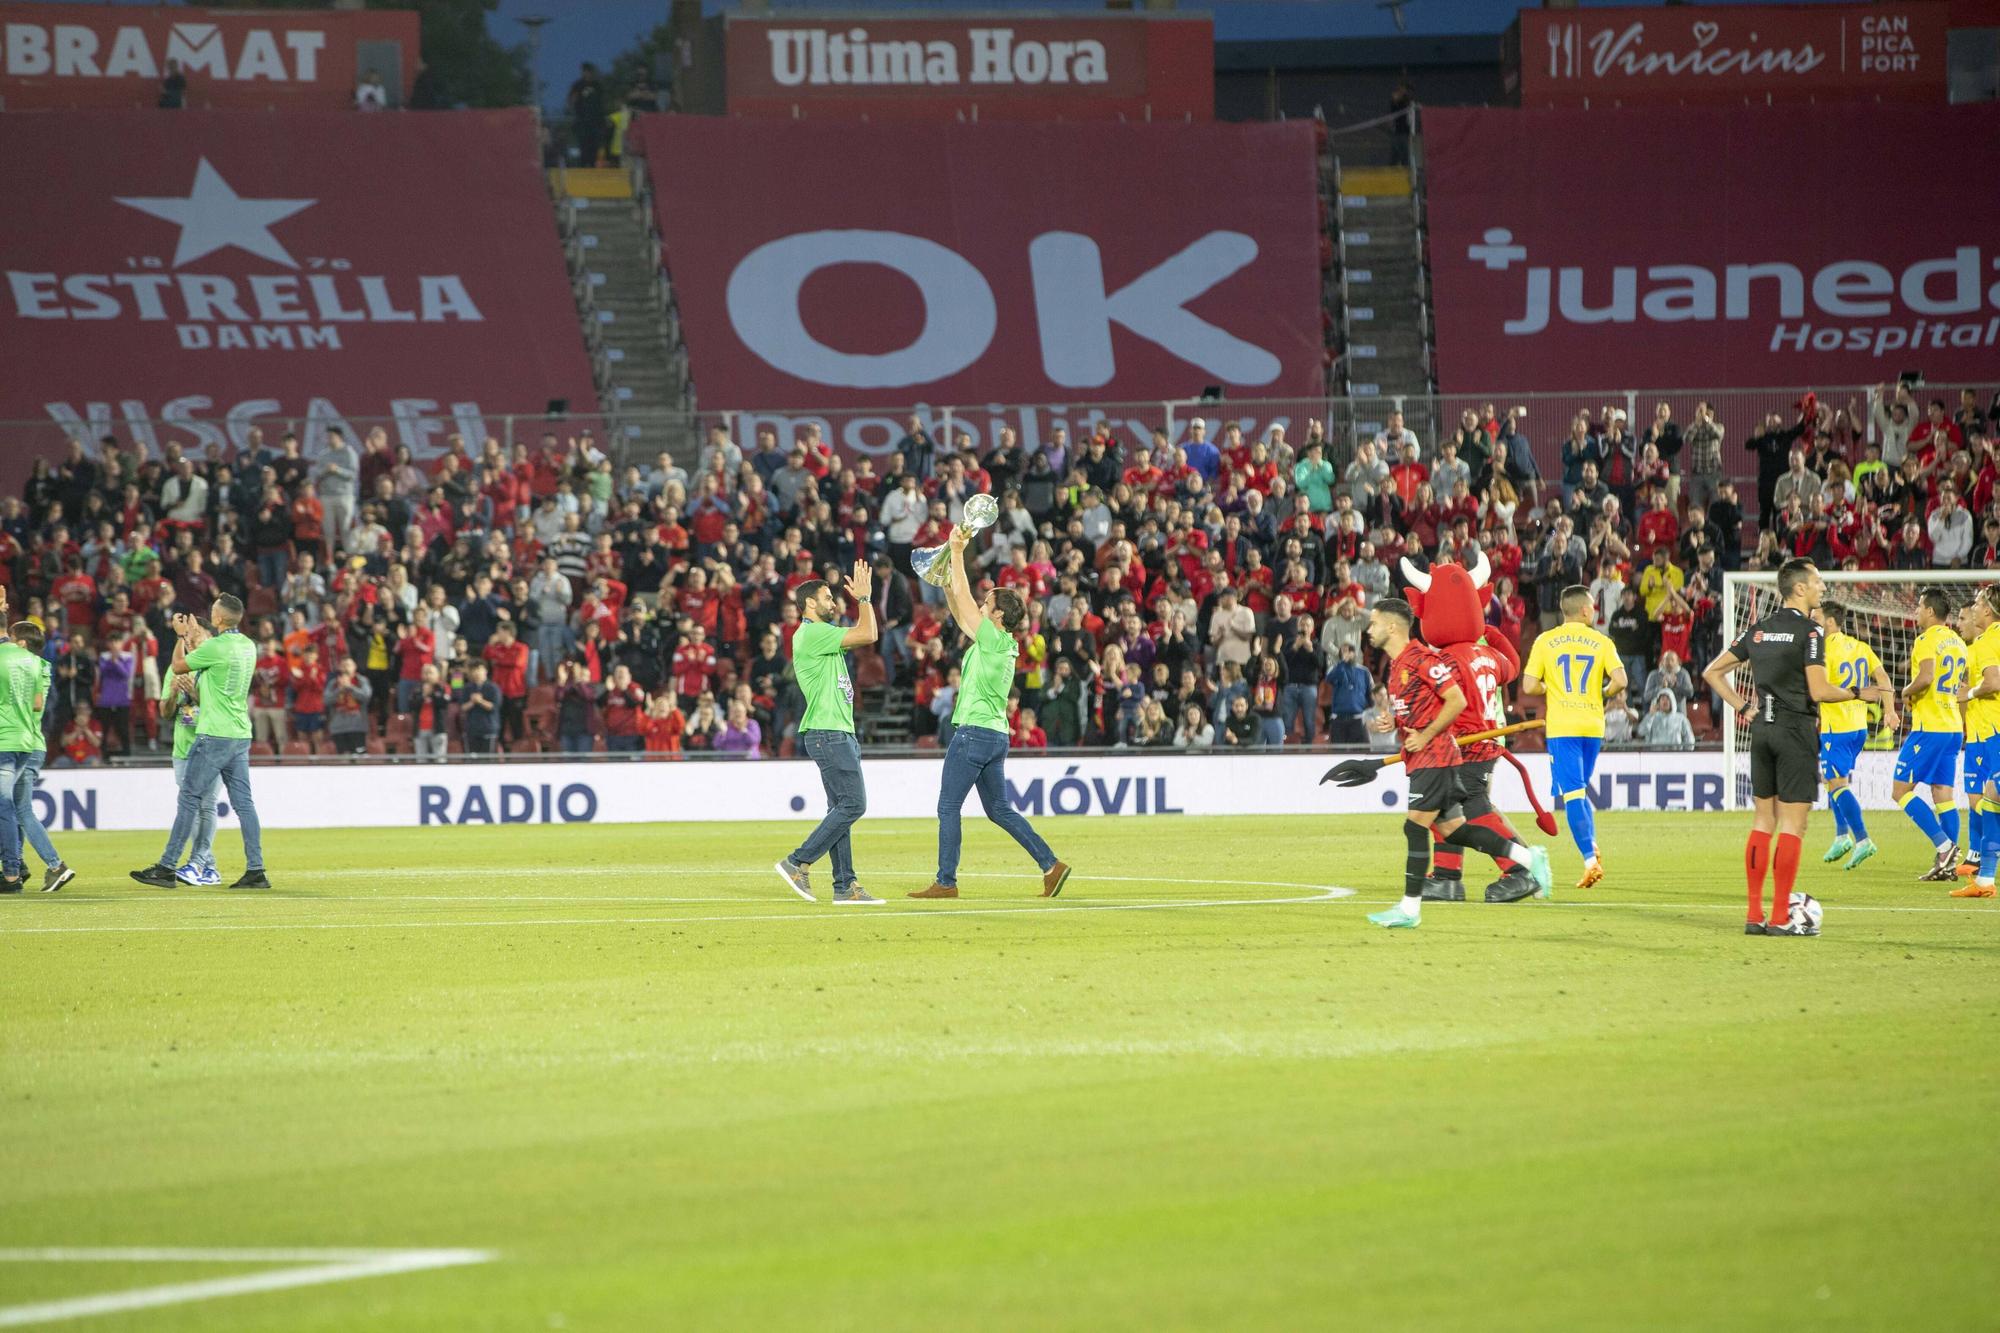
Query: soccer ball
(1806,911)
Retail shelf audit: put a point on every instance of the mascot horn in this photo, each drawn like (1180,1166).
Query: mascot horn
(1449,603)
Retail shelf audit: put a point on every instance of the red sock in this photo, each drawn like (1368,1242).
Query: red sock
(1496,821)
(1445,857)
(1757,860)
(1784,870)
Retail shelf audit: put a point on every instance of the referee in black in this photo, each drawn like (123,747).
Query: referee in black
(1786,653)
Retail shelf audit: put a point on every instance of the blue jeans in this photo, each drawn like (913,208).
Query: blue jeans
(977,757)
(12,764)
(1299,703)
(1270,732)
(838,755)
(215,757)
(549,643)
(24,812)
(202,855)
(272,567)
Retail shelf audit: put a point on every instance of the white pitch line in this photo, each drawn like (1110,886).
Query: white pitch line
(320,1267)
(1326,894)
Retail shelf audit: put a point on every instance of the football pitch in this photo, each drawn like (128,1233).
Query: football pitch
(617,1077)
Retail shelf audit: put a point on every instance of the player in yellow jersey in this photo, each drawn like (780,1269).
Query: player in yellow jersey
(1576,667)
(1980,624)
(1930,752)
(1843,731)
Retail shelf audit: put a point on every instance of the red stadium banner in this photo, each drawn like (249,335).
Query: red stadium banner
(822,265)
(999,68)
(1712,247)
(116,55)
(1728,53)
(203,266)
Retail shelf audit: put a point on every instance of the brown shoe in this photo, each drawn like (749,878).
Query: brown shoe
(1053,879)
(937,891)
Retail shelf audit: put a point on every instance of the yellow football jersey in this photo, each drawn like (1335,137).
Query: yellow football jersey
(1982,716)
(1575,663)
(1852,665)
(1936,709)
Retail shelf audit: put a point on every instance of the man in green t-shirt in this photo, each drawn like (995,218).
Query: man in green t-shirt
(55,872)
(226,662)
(977,755)
(184,700)
(22,693)
(826,733)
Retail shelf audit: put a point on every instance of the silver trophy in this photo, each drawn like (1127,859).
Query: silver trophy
(932,564)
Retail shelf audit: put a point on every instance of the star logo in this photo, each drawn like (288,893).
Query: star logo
(214,217)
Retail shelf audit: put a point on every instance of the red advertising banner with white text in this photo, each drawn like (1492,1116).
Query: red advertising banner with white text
(827,265)
(168,271)
(116,55)
(997,68)
(1713,246)
(1729,53)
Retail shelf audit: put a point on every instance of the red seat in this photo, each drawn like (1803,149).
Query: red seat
(376,746)
(528,746)
(263,602)
(262,748)
(869,672)
(925,743)
(787,748)
(297,747)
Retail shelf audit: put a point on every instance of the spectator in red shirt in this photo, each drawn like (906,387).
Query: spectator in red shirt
(623,705)
(662,726)
(694,667)
(76,593)
(309,695)
(1142,475)
(697,601)
(82,739)
(415,646)
(1657,526)
(309,524)
(1408,474)
(267,695)
(507,657)
(1028,735)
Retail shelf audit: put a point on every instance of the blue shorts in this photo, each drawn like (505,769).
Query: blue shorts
(1982,763)
(1837,752)
(1929,758)
(1572,763)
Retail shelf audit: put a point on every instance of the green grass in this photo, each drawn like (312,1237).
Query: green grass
(671,1096)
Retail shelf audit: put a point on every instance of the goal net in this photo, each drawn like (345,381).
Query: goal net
(1880,609)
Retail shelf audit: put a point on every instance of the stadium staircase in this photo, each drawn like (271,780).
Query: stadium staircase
(629,322)
(1384,310)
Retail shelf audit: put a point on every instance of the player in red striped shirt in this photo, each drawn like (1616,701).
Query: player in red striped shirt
(1426,698)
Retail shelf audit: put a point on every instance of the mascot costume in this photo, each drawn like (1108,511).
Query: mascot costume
(1448,601)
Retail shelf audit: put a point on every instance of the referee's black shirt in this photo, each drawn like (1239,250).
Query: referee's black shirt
(1779,648)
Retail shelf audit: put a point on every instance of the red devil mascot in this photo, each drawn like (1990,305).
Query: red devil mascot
(1447,600)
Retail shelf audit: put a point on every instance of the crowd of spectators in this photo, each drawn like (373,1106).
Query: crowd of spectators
(1192,593)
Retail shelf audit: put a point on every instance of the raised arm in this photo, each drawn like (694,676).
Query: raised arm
(862,583)
(958,593)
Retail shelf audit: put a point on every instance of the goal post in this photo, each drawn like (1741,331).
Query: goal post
(1880,609)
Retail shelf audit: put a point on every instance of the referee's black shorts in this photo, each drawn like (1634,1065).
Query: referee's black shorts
(1784,760)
